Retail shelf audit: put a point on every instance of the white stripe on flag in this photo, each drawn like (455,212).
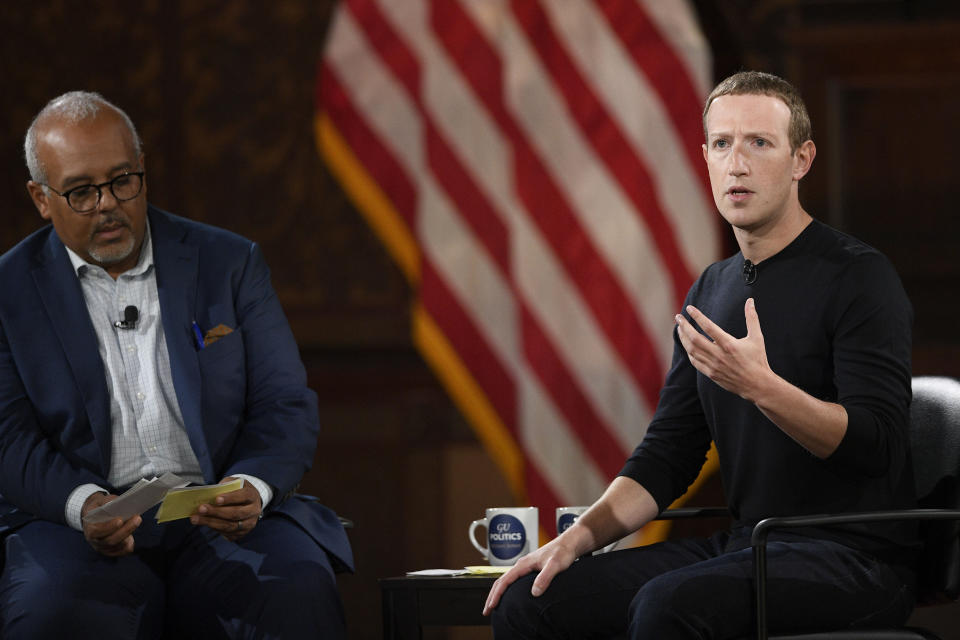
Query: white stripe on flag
(642,115)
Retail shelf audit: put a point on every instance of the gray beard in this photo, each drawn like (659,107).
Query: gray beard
(113,253)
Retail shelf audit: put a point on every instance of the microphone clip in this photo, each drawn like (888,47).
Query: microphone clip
(130,317)
(750,272)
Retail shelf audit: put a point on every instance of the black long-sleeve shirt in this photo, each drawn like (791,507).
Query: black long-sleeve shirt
(837,324)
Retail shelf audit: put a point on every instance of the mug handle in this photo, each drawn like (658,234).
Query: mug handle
(473,525)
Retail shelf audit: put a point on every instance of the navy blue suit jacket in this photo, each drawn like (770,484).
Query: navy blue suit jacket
(244,398)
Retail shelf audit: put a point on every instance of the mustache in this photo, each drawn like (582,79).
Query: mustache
(110,220)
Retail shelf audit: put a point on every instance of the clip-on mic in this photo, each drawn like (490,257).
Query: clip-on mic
(130,316)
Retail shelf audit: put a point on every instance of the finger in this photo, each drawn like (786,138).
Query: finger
(229,512)
(545,577)
(125,547)
(684,331)
(244,495)
(706,324)
(752,318)
(504,581)
(691,339)
(226,526)
(110,534)
(246,527)
(223,525)
(100,530)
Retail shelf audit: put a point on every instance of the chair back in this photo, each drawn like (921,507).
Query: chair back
(935,444)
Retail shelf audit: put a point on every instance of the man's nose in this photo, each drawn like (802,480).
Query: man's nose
(108,201)
(738,162)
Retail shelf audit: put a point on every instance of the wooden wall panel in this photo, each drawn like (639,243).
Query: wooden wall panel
(883,103)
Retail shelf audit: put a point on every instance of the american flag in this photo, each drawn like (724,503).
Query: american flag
(534,167)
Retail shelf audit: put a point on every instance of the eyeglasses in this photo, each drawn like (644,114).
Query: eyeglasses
(86,198)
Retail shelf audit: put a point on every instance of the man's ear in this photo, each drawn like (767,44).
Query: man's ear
(803,159)
(41,200)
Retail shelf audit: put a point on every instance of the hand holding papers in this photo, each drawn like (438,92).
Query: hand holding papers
(177,501)
(136,499)
(182,503)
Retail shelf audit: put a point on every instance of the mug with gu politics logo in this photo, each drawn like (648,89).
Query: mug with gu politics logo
(512,532)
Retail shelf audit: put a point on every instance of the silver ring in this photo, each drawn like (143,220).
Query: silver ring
(239,526)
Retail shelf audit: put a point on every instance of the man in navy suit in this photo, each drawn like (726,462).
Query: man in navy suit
(203,380)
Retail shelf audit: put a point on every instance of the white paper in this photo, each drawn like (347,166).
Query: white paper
(137,499)
(438,572)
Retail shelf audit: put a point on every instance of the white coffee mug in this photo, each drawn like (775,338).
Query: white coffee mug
(566,516)
(512,532)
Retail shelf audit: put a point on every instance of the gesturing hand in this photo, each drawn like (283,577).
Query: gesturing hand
(111,538)
(234,514)
(737,365)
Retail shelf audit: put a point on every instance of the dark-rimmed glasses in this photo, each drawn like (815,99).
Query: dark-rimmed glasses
(86,198)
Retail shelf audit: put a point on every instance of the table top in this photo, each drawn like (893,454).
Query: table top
(438,582)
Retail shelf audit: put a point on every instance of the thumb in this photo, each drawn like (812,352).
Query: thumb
(753,320)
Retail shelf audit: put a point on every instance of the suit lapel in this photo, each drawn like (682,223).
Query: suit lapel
(177,265)
(60,291)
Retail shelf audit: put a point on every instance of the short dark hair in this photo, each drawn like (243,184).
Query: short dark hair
(758,83)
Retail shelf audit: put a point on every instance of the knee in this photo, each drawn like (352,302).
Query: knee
(659,608)
(309,583)
(310,589)
(50,605)
(40,605)
(516,614)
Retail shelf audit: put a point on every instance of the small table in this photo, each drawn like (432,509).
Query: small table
(412,602)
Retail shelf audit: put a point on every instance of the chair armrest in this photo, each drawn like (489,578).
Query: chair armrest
(758,540)
(694,512)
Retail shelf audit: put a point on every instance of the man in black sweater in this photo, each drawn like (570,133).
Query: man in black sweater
(809,415)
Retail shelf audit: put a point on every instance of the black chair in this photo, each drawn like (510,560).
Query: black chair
(935,441)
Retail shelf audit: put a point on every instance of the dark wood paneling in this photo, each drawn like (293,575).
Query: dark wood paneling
(883,99)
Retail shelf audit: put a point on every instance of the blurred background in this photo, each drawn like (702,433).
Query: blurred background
(226,96)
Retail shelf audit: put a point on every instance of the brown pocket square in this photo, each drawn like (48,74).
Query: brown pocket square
(215,334)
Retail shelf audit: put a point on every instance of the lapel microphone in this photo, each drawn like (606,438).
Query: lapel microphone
(749,272)
(130,316)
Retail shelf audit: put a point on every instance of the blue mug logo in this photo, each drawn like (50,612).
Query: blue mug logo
(507,536)
(565,521)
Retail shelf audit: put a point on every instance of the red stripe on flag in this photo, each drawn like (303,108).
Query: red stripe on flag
(603,133)
(552,214)
(393,51)
(667,74)
(378,160)
(470,201)
(458,326)
(458,184)
(589,429)
(601,291)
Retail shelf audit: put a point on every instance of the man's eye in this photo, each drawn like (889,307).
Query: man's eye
(720,144)
(83,192)
(760,142)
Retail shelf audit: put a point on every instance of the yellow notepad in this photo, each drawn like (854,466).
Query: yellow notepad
(487,570)
(183,503)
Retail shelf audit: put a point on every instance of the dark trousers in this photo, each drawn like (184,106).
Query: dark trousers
(181,582)
(703,589)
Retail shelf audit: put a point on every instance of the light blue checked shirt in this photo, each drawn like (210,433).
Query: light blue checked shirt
(149,437)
